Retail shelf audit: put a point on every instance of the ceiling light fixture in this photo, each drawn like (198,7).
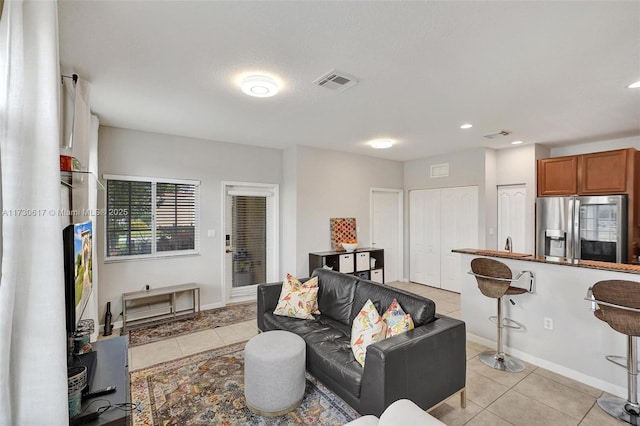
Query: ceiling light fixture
(466,126)
(381,143)
(259,86)
(516,142)
(635,85)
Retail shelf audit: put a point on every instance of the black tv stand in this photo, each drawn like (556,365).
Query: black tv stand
(107,365)
(89,360)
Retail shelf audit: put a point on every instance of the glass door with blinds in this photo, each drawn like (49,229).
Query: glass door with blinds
(250,238)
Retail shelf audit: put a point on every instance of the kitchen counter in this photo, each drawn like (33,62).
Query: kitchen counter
(591,264)
(575,344)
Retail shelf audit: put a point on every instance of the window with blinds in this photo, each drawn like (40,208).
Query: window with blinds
(149,217)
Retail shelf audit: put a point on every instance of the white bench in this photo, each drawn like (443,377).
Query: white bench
(137,298)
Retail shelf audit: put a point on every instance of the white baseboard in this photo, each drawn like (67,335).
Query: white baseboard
(556,368)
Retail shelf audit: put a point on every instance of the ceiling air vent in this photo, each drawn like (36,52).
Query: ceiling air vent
(497,134)
(336,80)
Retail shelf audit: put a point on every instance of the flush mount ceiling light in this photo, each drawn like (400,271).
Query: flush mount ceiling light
(381,143)
(259,86)
(466,126)
(516,142)
(635,85)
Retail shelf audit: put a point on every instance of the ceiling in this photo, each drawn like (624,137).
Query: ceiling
(550,72)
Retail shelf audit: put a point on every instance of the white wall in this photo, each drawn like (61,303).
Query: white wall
(488,222)
(128,152)
(289,211)
(336,184)
(607,145)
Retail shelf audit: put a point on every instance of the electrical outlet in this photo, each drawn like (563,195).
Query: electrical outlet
(548,323)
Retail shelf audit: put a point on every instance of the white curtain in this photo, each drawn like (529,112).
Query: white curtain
(33,376)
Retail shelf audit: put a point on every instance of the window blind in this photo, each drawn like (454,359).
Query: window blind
(148,217)
(176,217)
(250,234)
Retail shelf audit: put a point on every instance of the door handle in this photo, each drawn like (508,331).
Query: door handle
(229,251)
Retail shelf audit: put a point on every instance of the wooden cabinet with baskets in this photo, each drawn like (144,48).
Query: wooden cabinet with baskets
(366,263)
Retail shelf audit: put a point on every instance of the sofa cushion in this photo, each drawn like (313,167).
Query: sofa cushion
(421,309)
(397,320)
(294,295)
(321,325)
(368,327)
(329,356)
(336,293)
(297,300)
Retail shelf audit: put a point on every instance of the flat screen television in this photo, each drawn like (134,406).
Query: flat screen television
(77,271)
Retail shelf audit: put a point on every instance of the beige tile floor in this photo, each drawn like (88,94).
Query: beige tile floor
(533,397)
(165,350)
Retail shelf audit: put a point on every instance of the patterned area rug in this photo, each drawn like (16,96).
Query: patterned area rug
(205,320)
(208,389)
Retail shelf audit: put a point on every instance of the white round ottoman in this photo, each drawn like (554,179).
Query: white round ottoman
(274,364)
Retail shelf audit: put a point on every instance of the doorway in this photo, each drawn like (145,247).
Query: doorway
(386,229)
(250,238)
(512,209)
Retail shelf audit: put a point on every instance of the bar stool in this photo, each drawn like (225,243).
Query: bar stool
(494,280)
(618,304)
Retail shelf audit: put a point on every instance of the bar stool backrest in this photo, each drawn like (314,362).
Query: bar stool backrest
(491,268)
(622,293)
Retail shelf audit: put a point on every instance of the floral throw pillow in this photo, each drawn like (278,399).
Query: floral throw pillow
(368,327)
(397,321)
(298,300)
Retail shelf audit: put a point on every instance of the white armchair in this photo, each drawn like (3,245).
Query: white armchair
(401,413)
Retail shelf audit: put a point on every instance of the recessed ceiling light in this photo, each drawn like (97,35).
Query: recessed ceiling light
(381,143)
(635,85)
(466,126)
(516,142)
(259,86)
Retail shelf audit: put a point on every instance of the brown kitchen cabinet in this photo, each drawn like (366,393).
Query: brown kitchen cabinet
(604,173)
(558,176)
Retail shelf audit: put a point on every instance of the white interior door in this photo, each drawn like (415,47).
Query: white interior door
(424,231)
(512,205)
(459,229)
(432,223)
(386,229)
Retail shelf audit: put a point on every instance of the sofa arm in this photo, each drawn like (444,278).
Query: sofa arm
(425,365)
(268,295)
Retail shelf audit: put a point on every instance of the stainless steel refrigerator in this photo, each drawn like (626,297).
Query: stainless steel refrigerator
(582,228)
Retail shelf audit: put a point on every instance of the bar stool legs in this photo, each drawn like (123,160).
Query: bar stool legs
(629,410)
(498,359)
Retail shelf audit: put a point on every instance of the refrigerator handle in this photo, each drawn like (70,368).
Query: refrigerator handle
(575,230)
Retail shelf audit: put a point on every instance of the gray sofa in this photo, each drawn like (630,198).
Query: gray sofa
(426,364)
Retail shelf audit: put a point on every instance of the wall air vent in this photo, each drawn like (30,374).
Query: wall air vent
(495,135)
(439,170)
(336,80)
